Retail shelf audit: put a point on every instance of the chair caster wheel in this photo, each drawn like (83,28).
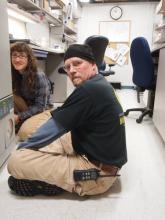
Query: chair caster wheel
(150,115)
(138,120)
(126,113)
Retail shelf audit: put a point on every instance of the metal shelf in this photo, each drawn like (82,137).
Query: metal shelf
(26,4)
(69,30)
(158,28)
(49,50)
(69,38)
(50,18)
(22,12)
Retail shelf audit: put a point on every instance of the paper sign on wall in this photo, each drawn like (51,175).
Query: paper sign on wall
(121,60)
(118,53)
(112,53)
(122,49)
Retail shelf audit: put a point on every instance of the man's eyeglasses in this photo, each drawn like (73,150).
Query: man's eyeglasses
(20,56)
(75,64)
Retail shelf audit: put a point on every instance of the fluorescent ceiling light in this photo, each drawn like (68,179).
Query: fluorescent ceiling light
(84,1)
(52,25)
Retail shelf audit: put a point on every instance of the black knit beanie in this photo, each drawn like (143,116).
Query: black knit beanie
(82,51)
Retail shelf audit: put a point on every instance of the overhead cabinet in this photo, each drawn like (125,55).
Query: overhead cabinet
(159,32)
(40,8)
(57,14)
(161,7)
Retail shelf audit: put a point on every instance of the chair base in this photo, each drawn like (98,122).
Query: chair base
(116,85)
(145,111)
(106,72)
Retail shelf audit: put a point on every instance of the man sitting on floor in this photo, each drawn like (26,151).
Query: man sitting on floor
(86,132)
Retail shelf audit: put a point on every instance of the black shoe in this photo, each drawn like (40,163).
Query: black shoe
(24,187)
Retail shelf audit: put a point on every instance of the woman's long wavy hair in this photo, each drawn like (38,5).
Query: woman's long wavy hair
(30,70)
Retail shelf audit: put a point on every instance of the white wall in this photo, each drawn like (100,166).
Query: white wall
(17,28)
(142,17)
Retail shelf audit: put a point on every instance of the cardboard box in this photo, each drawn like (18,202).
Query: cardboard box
(161,7)
(54,5)
(46,5)
(61,3)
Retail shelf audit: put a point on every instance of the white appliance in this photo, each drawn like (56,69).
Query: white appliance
(7,131)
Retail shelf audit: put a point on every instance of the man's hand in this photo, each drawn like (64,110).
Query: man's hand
(16,119)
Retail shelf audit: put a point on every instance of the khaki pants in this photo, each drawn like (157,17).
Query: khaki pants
(30,125)
(55,164)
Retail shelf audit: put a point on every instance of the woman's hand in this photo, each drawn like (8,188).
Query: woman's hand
(16,119)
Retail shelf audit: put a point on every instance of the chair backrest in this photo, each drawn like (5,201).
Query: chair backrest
(98,44)
(142,63)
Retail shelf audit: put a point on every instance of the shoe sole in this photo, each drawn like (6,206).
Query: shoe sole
(32,187)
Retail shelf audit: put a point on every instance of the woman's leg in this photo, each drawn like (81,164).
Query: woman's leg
(19,104)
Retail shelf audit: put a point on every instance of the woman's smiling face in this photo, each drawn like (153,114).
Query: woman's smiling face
(19,60)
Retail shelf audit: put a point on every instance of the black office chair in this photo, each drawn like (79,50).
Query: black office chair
(104,72)
(143,75)
(99,43)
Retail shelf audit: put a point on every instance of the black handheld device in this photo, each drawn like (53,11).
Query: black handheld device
(83,175)
(90,174)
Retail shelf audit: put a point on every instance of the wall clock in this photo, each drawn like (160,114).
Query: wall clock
(116,12)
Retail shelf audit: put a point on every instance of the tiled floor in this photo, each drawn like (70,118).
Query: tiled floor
(138,194)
